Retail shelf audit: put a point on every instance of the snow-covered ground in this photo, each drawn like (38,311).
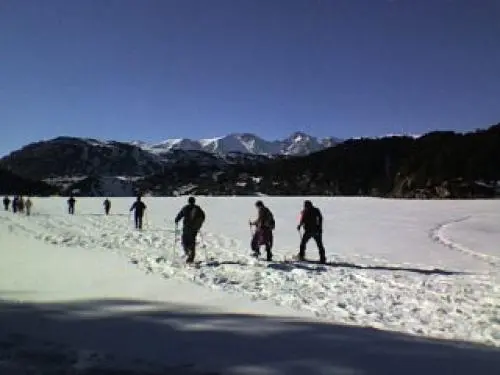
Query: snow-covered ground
(410,287)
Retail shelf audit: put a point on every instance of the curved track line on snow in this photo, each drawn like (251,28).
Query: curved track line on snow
(437,235)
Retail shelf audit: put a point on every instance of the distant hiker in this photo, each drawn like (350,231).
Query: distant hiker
(15,201)
(107,206)
(312,221)
(263,234)
(139,207)
(6,203)
(28,205)
(194,217)
(71,205)
(20,204)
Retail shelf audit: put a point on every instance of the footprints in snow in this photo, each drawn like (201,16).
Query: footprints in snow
(359,296)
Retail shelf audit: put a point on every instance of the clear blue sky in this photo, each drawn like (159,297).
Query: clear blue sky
(157,69)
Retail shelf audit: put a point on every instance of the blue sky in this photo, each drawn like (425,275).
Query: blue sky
(157,69)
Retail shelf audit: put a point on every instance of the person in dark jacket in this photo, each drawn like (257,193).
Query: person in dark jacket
(6,203)
(107,206)
(263,234)
(28,204)
(193,218)
(139,208)
(15,202)
(312,221)
(71,205)
(20,204)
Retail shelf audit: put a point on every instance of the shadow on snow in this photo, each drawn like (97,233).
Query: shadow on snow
(187,337)
(316,266)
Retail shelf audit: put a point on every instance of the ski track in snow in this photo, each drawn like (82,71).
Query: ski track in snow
(438,234)
(413,300)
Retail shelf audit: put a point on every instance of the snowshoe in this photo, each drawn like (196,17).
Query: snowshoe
(298,257)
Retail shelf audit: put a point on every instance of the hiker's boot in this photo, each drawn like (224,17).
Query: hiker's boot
(255,254)
(190,256)
(299,257)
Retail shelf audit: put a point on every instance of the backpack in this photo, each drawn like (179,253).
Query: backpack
(269,221)
(196,217)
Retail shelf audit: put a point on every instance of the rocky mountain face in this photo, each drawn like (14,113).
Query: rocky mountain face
(100,186)
(67,156)
(11,184)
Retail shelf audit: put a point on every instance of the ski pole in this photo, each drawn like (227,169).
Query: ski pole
(203,245)
(174,245)
(300,237)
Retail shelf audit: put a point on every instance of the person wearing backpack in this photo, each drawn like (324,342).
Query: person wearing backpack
(263,234)
(312,221)
(193,218)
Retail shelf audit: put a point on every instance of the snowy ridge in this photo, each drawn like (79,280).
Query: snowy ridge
(359,290)
(298,143)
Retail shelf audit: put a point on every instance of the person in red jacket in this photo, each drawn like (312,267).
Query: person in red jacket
(312,221)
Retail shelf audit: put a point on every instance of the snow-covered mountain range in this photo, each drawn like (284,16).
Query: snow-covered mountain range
(71,156)
(296,144)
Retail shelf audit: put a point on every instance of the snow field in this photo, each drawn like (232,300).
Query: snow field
(388,266)
(90,313)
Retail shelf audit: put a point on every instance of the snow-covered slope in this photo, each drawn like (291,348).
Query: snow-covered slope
(88,290)
(300,143)
(296,144)
(177,144)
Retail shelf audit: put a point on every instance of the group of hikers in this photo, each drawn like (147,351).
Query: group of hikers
(193,217)
(311,220)
(19,205)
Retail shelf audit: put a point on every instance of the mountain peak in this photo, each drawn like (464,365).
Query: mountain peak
(299,136)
